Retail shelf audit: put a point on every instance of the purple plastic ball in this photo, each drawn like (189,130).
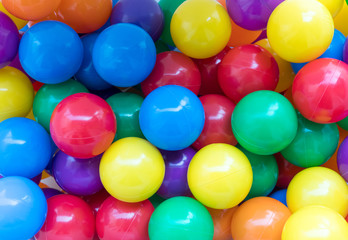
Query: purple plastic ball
(342,159)
(175,178)
(9,40)
(147,14)
(345,51)
(50,192)
(77,176)
(251,14)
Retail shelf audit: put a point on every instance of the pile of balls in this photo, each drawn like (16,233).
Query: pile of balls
(173,119)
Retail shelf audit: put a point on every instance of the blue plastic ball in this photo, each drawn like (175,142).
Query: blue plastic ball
(171,117)
(280,195)
(51,52)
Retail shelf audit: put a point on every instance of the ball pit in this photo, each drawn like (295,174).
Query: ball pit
(9,39)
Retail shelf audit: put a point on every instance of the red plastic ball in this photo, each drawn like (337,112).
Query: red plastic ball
(120,220)
(173,68)
(287,171)
(83,125)
(96,200)
(217,127)
(247,69)
(320,90)
(68,217)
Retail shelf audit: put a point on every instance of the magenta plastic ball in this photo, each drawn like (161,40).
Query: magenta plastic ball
(77,176)
(342,159)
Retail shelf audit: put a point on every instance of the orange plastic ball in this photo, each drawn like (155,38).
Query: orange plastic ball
(222,222)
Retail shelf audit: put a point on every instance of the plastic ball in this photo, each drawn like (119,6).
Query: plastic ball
(315,222)
(9,40)
(126,107)
(83,125)
(68,217)
(300,31)
(96,200)
(51,52)
(340,20)
(217,127)
(342,159)
(224,182)
(23,208)
(147,14)
(280,195)
(16,95)
(203,33)
(264,122)
(161,46)
(129,173)
(313,145)
(251,15)
(20,23)
(124,55)
(259,218)
(171,117)
(247,69)
(334,6)
(318,186)
(87,74)
(48,97)
(105,94)
(319,90)
(173,68)
(120,220)
(222,222)
(287,171)
(50,192)
(181,218)
(156,200)
(25,148)
(175,179)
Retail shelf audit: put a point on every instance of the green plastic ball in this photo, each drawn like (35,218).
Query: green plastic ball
(343,123)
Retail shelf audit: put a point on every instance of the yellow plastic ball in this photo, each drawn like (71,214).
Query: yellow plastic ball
(334,6)
(16,93)
(318,186)
(300,31)
(286,73)
(132,169)
(220,176)
(341,20)
(200,28)
(315,223)
(20,23)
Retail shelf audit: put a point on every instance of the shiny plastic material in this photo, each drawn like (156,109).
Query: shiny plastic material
(222,222)
(264,122)
(342,159)
(9,39)
(300,31)
(50,192)
(224,182)
(173,68)
(68,217)
(319,90)
(181,218)
(280,195)
(119,220)
(132,169)
(287,171)
(318,186)
(20,23)
(247,69)
(83,125)
(96,200)
(171,117)
(260,218)
(341,20)
(334,6)
(200,34)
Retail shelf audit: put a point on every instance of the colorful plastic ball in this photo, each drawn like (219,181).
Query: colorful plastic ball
(96,200)
(265,173)
(120,220)
(132,169)
(247,69)
(264,122)
(181,218)
(156,200)
(83,125)
(9,40)
(173,68)
(16,95)
(315,222)
(51,52)
(171,117)
(124,55)
(87,74)
(252,15)
(222,222)
(334,6)
(297,36)
(203,33)
(313,145)
(287,171)
(280,195)
(319,90)
(224,182)
(20,23)
(175,179)
(50,192)
(147,14)
(161,46)
(25,148)
(126,107)
(68,217)
(342,159)
(217,127)
(48,97)
(259,218)
(318,186)
(23,208)
(340,20)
